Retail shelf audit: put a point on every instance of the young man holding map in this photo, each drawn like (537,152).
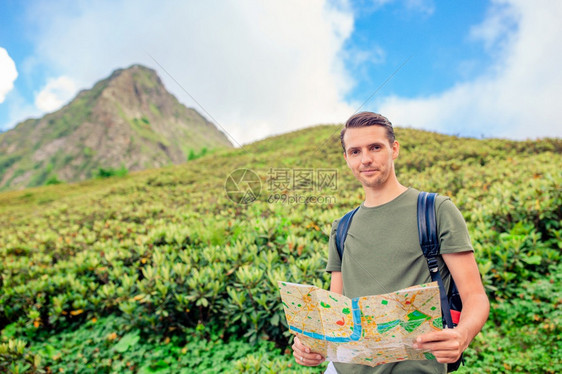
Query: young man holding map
(382,252)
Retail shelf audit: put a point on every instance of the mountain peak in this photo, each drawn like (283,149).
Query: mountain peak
(134,69)
(128,119)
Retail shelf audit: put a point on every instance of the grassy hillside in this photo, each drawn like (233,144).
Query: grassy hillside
(160,270)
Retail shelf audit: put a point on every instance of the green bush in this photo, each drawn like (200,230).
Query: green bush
(110,172)
(193,155)
(52,180)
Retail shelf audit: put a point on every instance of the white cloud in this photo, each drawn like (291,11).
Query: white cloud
(357,57)
(258,67)
(423,7)
(426,7)
(55,94)
(500,20)
(518,97)
(8,74)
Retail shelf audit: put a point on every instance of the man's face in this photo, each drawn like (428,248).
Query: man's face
(369,155)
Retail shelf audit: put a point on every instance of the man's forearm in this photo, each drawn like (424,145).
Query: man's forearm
(474,314)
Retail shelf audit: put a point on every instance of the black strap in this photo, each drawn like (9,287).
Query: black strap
(341,232)
(427,230)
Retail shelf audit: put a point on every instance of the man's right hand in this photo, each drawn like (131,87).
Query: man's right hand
(304,356)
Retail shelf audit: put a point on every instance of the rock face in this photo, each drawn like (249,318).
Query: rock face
(128,119)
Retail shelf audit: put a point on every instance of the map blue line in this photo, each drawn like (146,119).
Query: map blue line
(357,329)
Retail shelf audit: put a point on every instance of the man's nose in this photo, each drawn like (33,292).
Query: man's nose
(366,158)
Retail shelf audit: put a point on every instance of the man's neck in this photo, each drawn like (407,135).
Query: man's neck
(384,194)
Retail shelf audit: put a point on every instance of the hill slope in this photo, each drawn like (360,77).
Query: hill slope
(166,251)
(128,119)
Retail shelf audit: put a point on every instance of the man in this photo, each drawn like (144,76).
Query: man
(382,252)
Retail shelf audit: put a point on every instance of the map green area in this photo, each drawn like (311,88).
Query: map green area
(369,330)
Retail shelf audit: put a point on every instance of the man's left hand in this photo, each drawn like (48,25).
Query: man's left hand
(446,345)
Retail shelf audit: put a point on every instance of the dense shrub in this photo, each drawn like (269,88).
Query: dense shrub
(110,172)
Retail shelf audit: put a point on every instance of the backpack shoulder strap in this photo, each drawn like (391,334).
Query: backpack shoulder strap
(427,225)
(341,232)
(429,243)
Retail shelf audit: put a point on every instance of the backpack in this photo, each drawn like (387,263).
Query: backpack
(451,304)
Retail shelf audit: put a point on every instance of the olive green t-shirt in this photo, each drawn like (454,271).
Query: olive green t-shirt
(382,254)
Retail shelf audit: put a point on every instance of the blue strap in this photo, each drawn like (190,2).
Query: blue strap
(341,232)
(427,230)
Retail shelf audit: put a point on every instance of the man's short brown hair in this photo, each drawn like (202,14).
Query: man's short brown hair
(365,119)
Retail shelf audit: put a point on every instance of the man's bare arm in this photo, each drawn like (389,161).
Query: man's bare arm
(336,284)
(476,306)
(448,344)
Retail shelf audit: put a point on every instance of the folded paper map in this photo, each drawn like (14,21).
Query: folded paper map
(369,330)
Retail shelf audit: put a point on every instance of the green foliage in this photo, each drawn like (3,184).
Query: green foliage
(111,172)
(167,254)
(52,180)
(108,345)
(193,155)
(522,335)
(15,359)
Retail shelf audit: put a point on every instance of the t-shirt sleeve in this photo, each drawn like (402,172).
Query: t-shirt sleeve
(453,233)
(334,262)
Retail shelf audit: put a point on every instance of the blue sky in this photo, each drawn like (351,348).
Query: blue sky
(472,68)
(434,38)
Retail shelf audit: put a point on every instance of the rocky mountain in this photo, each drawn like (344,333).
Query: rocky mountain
(127,120)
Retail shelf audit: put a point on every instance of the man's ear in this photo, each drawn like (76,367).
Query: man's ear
(395,150)
(344,156)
